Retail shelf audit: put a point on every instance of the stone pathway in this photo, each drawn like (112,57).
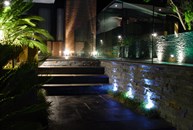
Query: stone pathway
(97,112)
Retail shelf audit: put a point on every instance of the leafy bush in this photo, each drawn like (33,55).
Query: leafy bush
(22,106)
(134,104)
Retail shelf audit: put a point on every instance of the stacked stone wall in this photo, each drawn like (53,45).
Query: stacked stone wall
(171,87)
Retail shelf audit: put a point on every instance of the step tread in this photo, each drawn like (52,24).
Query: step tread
(69,75)
(73,85)
(52,67)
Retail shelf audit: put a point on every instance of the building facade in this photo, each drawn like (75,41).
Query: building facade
(71,23)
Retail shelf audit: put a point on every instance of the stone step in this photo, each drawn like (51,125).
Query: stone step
(76,89)
(74,78)
(71,61)
(71,70)
(72,85)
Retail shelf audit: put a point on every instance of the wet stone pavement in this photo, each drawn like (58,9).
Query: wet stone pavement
(97,112)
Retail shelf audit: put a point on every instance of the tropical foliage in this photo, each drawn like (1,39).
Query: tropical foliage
(22,104)
(19,29)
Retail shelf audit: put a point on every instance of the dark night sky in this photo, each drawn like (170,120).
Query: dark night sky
(102,4)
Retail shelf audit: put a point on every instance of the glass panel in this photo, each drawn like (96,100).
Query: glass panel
(142,33)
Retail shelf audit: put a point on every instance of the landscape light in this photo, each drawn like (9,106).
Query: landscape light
(130,93)
(66,52)
(149,103)
(94,53)
(154,34)
(172,56)
(119,37)
(6,3)
(115,88)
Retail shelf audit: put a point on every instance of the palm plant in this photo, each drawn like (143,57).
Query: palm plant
(21,105)
(20,30)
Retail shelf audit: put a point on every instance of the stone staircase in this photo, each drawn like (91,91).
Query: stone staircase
(70,80)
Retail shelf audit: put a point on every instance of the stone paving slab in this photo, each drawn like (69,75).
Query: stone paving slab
(97,112)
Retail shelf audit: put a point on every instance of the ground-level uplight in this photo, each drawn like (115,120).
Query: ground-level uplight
(119,37)
(130,93)
(149,103)
(115,86)
(154,34)
(66,52)
(94,53)
(172,56)
(6,3)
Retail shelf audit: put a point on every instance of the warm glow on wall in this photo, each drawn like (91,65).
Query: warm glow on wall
(66,52)
(176,28)
(77,15)
(71,15)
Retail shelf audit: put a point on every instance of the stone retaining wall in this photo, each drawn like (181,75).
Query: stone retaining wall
(171,88)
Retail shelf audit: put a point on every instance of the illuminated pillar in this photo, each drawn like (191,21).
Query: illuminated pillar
(70,19)
(78,13)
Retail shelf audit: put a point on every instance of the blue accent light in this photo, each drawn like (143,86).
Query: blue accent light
(148,82)
(130,93)
(149,102)
(115,88)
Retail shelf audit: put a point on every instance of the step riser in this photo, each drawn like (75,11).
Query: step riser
(73,80)
(98,70)
(70,62)
(77,90)
(78,77)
